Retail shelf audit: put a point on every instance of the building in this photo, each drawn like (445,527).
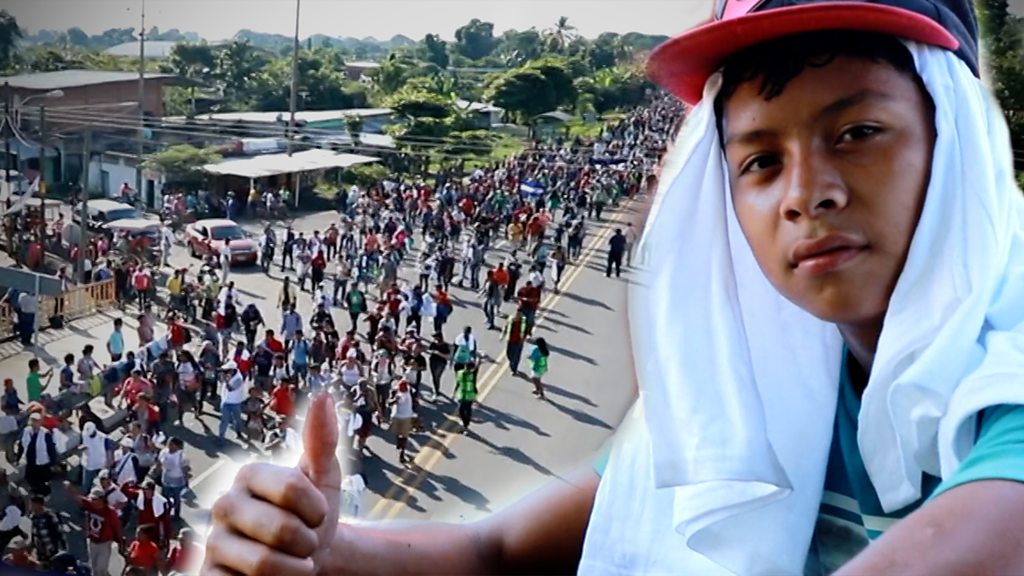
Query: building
(356,70)
(73,102)
(155,49)
(487,115)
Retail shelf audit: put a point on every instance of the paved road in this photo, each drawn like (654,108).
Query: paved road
(517,442)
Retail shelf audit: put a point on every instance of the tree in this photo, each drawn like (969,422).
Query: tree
(10,35)
(354,126)
(238,63)
(52,60)
(607,51)
(182,163)
(559,77)
(1003,36)
(475,40)
(393,73)
(559,36)
(193,61)
(78,37)
(524,92)
(517,48)
(435,50)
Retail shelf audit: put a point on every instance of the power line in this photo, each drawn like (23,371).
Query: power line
(126,124)
(216,136)
(279,132)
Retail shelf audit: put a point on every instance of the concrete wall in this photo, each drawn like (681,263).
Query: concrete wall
(118,171)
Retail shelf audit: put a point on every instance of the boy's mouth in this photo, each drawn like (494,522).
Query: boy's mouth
(827,253)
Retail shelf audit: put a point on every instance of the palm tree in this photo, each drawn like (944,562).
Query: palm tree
(561,34)
(10,35)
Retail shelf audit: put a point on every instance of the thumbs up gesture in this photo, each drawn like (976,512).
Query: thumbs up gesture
(281,521)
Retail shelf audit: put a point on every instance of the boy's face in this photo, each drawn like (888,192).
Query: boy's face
(844,153)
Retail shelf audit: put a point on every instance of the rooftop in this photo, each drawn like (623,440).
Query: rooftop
(155,49)
(304,117)
(72,79)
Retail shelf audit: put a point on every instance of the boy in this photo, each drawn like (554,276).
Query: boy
(824,197)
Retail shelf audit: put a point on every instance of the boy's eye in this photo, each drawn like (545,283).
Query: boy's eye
(758,163)
(858,133)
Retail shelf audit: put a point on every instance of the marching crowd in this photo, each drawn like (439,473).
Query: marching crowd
(375,335)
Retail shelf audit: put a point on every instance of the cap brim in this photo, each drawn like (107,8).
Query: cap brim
(683,64)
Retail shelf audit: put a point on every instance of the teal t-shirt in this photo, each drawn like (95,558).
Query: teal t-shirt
(851,516)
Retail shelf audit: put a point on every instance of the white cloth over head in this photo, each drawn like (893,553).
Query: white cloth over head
(724,471)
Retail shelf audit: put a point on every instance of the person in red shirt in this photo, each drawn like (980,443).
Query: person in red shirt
(176,330)
(271,343)
(154,509)
(282,399)
(144,553)
(529,302)
(147,414)
(501,275)
(132,387)
(103,529)
(242,357)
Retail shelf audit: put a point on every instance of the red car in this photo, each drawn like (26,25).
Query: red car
(206,237)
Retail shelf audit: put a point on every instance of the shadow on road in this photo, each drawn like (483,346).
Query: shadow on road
(502,420)
(570,395)
(579,415)
(512,453)
(571,355)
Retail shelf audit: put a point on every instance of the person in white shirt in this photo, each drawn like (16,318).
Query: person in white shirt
(97,454)
(630,242)
(232,394)
(39,451)
(402,417)
(225,261)
(174,473)
(116,497)
(166,242)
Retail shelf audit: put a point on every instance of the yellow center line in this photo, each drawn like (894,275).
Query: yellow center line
(438,447)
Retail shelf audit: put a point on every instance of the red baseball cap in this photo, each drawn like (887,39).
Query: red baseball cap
(683,64)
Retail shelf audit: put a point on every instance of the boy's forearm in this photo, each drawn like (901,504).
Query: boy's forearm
(409,548)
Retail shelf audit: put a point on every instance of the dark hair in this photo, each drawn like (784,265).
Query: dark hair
(542,345)
(777,62)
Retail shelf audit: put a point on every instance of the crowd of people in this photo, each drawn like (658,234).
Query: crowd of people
(376,335)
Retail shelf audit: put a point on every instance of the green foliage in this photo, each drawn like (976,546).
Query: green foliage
(365,175)
(435,50)
(10,34)
(414,102)
(354,126)
(1003,37)
(524,92)
(182,163)
(475,40)
(470,143)
(1020,180)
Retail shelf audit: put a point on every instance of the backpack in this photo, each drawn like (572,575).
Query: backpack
(464,353)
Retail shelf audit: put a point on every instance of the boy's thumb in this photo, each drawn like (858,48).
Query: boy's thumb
(320,438)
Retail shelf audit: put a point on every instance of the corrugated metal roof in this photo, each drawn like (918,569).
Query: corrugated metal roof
(72,79)
(300,117)
(155,49)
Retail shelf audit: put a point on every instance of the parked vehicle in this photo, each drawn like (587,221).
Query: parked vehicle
(103,212)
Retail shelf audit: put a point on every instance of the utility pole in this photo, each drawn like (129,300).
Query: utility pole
(42,151)
(7,127)
(295,80)
(142,104)
(291,105)
(83,202)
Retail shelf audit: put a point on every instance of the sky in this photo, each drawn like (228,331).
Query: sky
(382,19)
